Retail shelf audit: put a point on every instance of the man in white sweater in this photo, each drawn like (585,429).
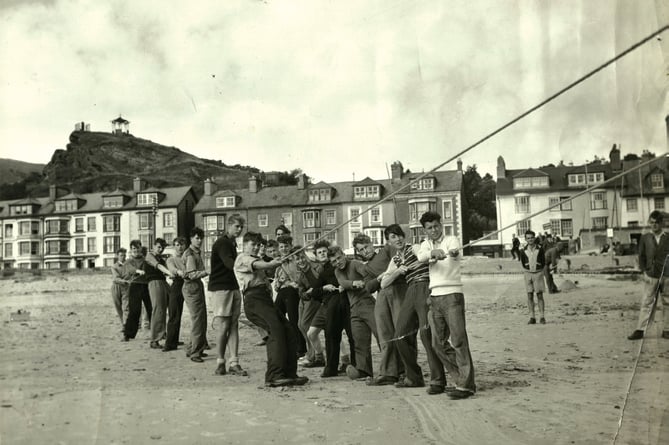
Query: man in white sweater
(447,305)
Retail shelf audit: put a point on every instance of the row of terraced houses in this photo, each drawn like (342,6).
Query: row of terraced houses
(67,230)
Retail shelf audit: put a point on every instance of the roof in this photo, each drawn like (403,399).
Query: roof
(120,120)
(530,173)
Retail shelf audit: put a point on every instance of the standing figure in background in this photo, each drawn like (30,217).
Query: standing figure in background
(193,291)
(119,288)
(533,260)
(175,304)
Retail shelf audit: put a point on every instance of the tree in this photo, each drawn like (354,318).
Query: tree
(478,210)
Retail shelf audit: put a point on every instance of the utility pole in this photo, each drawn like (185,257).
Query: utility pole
(154,212)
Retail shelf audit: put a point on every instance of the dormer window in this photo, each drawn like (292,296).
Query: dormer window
(225,201)
(530,182)
(112,202)
(317,195)
(366,191)
(581,179)
(423,184)
(147,199)
(66,205)
(657,181)
(21,210)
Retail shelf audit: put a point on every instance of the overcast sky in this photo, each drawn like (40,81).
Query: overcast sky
(336,87)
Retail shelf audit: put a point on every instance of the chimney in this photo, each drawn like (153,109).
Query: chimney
(209,187)
(137,185)
(52,192)
(501,168)
(396,171)
(459,165)
(302,182)
(614,158)
(254,184)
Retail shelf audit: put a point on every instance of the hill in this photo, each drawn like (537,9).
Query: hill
(96,161)
(12,171)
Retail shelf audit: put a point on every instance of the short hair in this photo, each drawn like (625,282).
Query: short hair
(236,217)
(285,239)
(272,243)
(283,228)
(529,232)
(252,236)
(160,241)
(361,238)
(181,240)
(429,216)
(321,243)
(395,229)
(196,231)
(121,250)
(334,251)
(263,242)
(657,216)
(137,244)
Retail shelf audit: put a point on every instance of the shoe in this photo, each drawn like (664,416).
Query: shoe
(382,381)
(169,348)
(220,369)
(542,320)
(435,389)
(353,373)
(405,383)
(300,380)
(314,364)
(237,370)
(180,343)
(204,354)
(155,345)
(636,335)
(326,373)
(279,382)
(532,321)
(665,334)
(196,359)
(342,368)
(459,394)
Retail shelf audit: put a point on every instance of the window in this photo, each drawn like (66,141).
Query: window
(579,179)
(57,247)
(631,204)
(67,205)
(311,237)
(530,182)
(168,219)
(9,231)
(112,202)
(599,222)
(8,250)
(108,262)
(522,227)
(330,217)
(332,237)
(91,224)
(92,245)
(78,224)
(214,222)
(447,207)
(658,203)
(225,201)
(169,238)
(79,245)
(287,219)
(657,181)
(311,218)
(21,210)
(263,220)
(376,235)
(556,225)
(567,228)
(375,215)
(423,184)
(417,235)
(111,223)
(29,248)
(146,221)
(147,199)
(448,229)
(325,194)
(316,195)
(56,226)
(111,244)
(566,205)
(353,215)
(553,201)
(146,239)
(522,204)
(28,228)
(365,192)
(598,200)
(416,209)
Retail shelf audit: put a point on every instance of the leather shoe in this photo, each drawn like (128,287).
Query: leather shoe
(532,321)
(155,345)
(542,320)
(326,373)
(435,389)
(636,335)
(459,394)
(169,348)
(382,381)
(220,369)
(353,373)
(196,359)
(665,334)
(406,383)
(314,364)
(204,354)
(300,380)
(279,382)
(237,370)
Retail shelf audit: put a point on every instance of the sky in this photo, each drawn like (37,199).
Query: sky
(339,89)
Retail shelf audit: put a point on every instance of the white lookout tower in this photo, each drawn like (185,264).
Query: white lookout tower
(120,126)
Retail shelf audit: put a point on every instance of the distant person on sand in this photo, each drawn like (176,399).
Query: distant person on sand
(175,305)
(515,247)
(533,260)
(193,291)
(119,289)
(552,256)
(156,271)
(653,252)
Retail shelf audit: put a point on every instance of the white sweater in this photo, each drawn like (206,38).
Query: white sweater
(444,274)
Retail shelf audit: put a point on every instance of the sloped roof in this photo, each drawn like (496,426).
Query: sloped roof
(557,178)
(530,173)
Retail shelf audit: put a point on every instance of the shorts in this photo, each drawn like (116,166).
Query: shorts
(226,303)
(534,282)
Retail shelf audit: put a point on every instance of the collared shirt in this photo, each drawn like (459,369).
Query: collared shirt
(174,264)
(354,271)
(247,276)
(532,255)
(117,274)
(192,259)
(444,274)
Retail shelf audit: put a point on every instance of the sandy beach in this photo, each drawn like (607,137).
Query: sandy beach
(65,376)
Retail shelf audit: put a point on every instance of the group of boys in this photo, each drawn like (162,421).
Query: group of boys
(392,293)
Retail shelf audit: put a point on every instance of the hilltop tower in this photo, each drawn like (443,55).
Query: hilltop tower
(120,126)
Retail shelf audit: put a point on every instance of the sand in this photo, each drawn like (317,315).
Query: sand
(65,376)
